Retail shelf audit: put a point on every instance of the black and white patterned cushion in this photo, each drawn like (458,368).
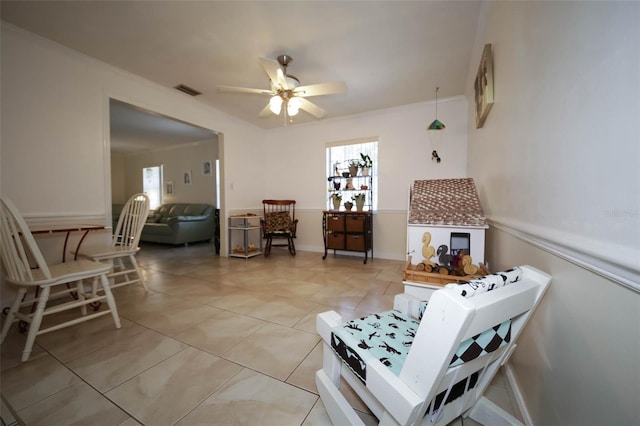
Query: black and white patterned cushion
(388,336)
(487,283)
(482,344)
(422,306)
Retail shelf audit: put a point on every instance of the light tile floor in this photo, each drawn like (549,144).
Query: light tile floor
(216,341)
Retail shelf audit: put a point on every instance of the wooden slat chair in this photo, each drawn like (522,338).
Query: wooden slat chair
(124,244)
(279,222)
(19,251)
(411,371)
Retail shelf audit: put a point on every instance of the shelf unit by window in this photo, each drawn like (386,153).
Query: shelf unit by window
(338,184)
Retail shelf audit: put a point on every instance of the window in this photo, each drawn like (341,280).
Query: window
(339,154)
(152,185)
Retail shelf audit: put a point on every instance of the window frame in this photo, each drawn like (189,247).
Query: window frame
(367,145)
(155,188)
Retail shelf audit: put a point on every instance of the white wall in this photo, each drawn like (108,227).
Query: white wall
(118,178)
(55,119)
(556,164)
(296,165)
(296,154)
(175,161)
(559,152)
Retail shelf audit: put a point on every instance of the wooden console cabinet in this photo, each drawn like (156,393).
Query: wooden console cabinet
(348,231)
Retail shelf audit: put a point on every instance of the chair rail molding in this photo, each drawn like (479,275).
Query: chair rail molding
(624,269)
(65,218)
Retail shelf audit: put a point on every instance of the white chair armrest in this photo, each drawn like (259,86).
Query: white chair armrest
(325,322)
(407,304)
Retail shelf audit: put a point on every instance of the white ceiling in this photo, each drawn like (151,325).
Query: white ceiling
(134,130)
(389,53)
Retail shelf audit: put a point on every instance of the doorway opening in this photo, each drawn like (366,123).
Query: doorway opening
(166,150)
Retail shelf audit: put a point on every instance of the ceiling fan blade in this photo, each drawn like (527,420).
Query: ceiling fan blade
(321,89)
(275,73)
(312,108)
(266,112)
(229,89)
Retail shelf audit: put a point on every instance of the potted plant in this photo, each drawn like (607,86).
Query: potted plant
(359,199)
(365,164)
(336,199)
(353,167)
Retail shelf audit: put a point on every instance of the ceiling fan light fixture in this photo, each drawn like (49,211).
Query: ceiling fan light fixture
(275,104)
(286,92)
(293,106)
(292,81)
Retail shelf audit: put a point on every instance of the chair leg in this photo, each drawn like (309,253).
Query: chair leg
(267,248)
(94,294)
(292,247)
(111,302)
(35,323)
(138,271)
(488,413)
(11,314)
(81,296)
(331,365)
(121,267)
(338,408)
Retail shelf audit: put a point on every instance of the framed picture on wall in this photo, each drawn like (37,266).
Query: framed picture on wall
(206,168)
(170,188)
(483,86)
(186,176)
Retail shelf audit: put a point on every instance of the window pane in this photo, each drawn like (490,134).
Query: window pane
(338,157)
(152,185)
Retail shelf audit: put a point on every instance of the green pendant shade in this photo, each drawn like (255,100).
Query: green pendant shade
(436,125)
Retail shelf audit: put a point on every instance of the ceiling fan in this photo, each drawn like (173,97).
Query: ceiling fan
(286,94)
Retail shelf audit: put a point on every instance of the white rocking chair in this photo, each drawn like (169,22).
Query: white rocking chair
(124,244)
(429,371)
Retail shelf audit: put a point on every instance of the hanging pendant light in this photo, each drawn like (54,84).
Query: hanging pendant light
(435,131)
(436,124)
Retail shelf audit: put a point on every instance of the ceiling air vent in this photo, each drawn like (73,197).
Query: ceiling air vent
(188,90)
